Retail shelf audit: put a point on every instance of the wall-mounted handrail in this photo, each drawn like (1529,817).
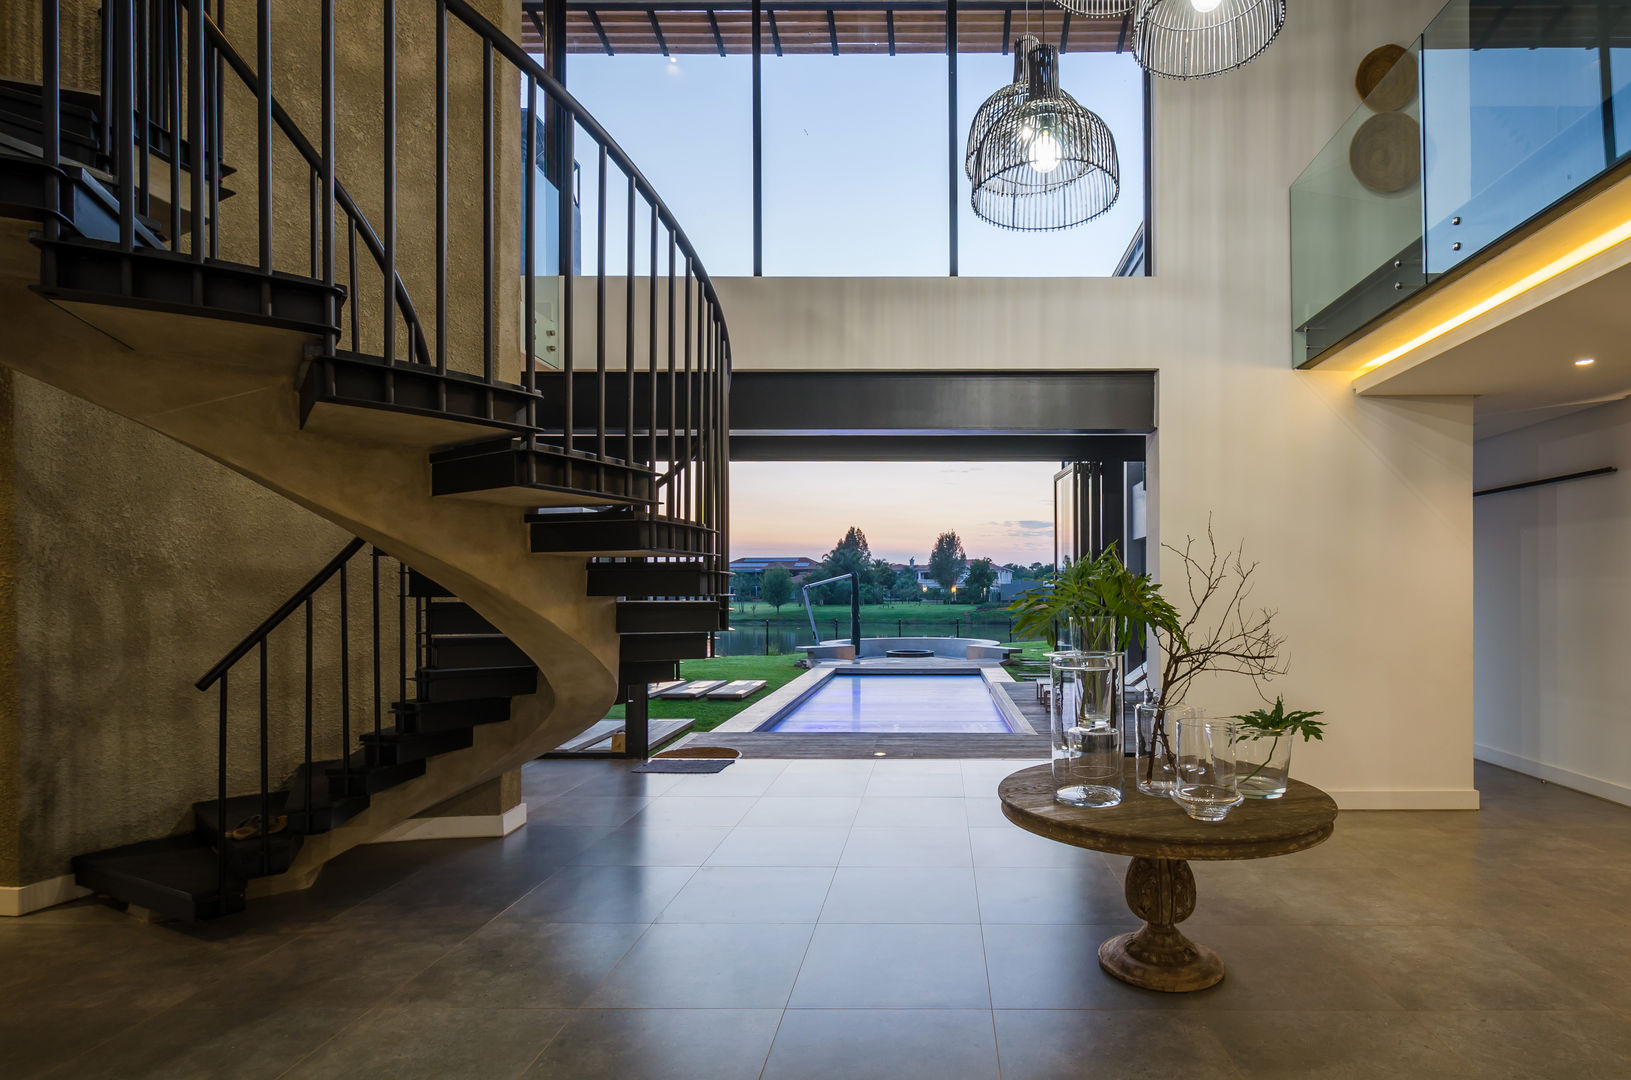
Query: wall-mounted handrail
(287,608)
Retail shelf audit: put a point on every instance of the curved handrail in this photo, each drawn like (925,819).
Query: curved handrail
(342,198)
(511,50)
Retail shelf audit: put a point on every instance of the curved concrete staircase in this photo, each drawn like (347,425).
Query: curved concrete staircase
(554,580)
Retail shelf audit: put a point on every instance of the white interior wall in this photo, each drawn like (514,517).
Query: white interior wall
(1554,603)
(1358,510)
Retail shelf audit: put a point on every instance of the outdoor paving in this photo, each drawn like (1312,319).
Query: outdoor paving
(857,919)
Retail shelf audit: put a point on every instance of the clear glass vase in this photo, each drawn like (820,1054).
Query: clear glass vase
(1208,785)
(1264,763)
(1085,729)
(1154,733)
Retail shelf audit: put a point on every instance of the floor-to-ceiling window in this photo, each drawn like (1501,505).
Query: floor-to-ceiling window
(843,155)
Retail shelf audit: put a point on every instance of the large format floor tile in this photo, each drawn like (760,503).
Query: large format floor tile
(856,919)
(659,1044)
(893,967)
(884,1044)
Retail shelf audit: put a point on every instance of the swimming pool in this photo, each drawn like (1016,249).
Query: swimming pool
(852,701)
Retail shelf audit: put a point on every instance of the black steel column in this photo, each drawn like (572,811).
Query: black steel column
(637,722)
(855,613)
(951,131)
(758,153)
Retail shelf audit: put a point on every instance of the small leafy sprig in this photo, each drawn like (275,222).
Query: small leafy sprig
(1277,722)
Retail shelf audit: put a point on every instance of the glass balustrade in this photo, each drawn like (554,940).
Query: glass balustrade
(1498,111)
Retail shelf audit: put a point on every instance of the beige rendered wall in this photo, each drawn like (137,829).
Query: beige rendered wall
(1554,602)
(1359,510)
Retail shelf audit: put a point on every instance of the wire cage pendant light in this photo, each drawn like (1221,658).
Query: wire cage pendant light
(1192,39)
(1099,9)
(1002,102)
(1048,164)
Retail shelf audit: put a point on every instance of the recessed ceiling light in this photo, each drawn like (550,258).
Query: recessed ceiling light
(1587,362)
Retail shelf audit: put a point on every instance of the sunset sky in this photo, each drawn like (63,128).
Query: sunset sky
(1002,511)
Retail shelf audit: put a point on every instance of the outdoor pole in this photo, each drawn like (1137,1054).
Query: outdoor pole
(855,613)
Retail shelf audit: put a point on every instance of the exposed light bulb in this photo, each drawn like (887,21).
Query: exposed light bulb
(1044,152)
(1587,362)
(1204,6)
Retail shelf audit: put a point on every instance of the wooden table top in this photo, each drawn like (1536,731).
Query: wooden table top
(1157,828)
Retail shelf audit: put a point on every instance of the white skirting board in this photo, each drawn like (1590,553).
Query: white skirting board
(456,828)
(22,899)
(1591,785)
(1405,799)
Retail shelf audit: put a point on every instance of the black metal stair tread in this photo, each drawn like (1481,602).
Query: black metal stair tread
(449,374)
(517,445)
(179,876)
(434,673)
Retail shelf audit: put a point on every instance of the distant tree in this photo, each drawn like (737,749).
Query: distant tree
(906,587)
(947,560)
(882,574)
(850,556)
(981,576)
(741,588)
(777,587)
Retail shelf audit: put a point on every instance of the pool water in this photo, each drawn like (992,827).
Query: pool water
(911,704)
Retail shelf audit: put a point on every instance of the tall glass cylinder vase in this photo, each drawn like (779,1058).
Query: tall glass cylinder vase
(1084,718)
(1155,738)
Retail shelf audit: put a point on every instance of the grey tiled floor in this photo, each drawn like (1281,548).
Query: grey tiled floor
(852,920)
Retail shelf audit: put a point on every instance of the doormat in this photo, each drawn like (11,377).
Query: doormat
(683,765)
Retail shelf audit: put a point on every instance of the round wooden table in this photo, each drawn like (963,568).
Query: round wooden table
(1162,839)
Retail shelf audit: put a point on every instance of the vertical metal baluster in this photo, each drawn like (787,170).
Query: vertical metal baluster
(628,340)
(419,603)
(689,450)
(263,141)
(51,124)
(316,197)
(351,270)
(221,790)
(672,456)
(331,338)
(378,690)
(600,312)
(529,194)
(401,632)
(266,789)
(651,354)
(197,140)
(172,67)
(217,98)
(124,88)
(487,210)
(389,130)
(441,187)
(144,129)
(307,804)
(345,682)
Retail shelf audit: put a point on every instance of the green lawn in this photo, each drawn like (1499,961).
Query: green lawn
(776,671)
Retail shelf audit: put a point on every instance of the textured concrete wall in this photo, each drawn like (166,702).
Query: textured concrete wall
(138,564)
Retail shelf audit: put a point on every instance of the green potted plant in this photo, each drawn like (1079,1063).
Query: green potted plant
(1263,747)
(1088,590)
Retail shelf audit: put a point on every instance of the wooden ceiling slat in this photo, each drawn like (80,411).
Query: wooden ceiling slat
(1520,24)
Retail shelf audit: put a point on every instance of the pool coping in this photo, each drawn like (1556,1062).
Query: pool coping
(772,706)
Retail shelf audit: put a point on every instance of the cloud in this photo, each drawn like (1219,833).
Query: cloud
(1022,528)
